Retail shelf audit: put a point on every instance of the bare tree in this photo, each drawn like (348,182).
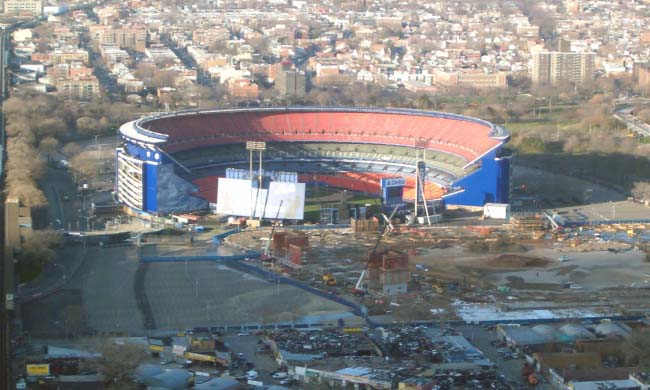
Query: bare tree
(21,156)
(145,71)
(20,128)
(37,249)
(52,126)
(27,191)
(71,149)
(87,126)
(47,146)
(163,78)
(84,165)
(118,362)
(572,144)
(641,190)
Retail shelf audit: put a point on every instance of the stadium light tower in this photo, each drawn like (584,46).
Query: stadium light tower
(253,146)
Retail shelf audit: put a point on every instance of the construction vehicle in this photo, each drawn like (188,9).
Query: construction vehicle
(329,279)
(358,287)
(437,288)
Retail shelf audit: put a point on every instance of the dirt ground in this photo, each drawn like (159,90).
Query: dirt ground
(541,268)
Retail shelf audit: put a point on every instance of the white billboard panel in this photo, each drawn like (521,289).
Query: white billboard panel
(236,197)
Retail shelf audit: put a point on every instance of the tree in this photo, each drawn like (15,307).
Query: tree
(21,156)
(52,126)
(424,102)
(47,146)
(163,78)
(145,71)
(37,249)
(87,126)
(572,144)
(84,165)
(118,362)
(260,44)
(20,128)
(27,191)
(643,115)
(15,107)
(641,190)
(71,149)
(532,145)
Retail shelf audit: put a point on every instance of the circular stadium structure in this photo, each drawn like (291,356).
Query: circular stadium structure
(168,161)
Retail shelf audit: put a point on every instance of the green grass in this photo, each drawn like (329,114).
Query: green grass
(365,200)
(314,207)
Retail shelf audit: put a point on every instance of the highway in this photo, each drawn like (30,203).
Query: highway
(624,115)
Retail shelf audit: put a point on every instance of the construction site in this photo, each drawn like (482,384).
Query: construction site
(428,273)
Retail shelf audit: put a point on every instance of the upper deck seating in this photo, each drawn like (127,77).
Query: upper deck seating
(465,140)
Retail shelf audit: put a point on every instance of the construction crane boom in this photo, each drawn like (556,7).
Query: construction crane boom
(358,288)
(268,243)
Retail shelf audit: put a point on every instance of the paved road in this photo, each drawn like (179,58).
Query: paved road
(624,115)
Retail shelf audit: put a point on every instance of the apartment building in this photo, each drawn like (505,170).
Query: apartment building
(469,79)
(84,88)
(69,54)
(134,37)
(14,7)
(552,67)
(291,83)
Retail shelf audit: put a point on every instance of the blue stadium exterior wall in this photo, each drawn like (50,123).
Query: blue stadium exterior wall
(488,184)
(162,190)
(151,160)
(150,187)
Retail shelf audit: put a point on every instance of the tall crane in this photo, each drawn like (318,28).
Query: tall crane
(267,248)
(388,226)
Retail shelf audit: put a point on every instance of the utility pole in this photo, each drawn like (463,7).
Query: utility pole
(255,146)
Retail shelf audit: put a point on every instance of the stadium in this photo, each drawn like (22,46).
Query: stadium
(169,162)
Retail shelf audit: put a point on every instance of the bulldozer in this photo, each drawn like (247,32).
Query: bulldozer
(437,288)
(329,279)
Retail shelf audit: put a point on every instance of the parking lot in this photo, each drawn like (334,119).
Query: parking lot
(251,348)
(508,363)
